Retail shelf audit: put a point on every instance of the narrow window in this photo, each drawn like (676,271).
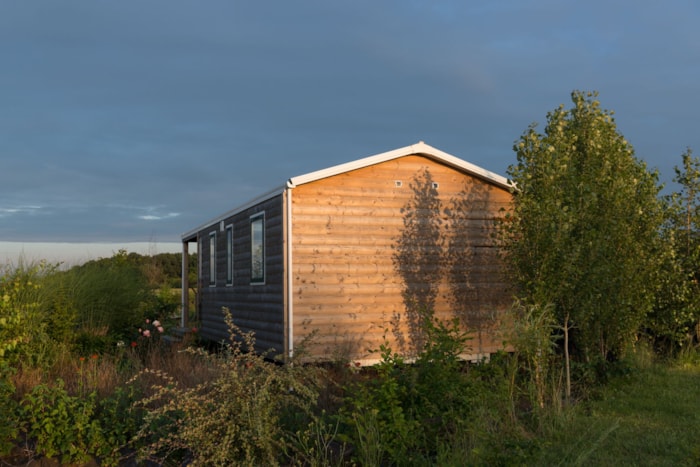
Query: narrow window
(229,255)
(257,249)
(212,258)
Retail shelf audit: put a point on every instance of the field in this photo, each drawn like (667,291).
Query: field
(650,417)
(86,378)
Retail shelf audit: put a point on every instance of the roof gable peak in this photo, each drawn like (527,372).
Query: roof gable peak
(420,148)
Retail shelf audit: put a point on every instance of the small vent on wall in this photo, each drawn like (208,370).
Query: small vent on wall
(398,183)
(436,185)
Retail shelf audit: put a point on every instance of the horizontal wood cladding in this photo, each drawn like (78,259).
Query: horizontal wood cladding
(254,307)
(364,248)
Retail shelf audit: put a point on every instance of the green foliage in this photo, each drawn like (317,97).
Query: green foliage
(380,427)
(403,412)
(23,324)
(675,319)
(106,296)
(236,419)
(61,425)
(120,420)
(534,340)
(583,231)
(9,415)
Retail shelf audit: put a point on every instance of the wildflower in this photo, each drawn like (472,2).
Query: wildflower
(133,344)
(82,359)
(194,329)
(120,343)
(146,333)
(148,321)
(94,356)
(160,329)
(156,323)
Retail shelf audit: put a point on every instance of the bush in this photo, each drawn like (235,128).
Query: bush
(9,415)
(108,296)
(402,412)
(23,323)
(60,424)
(239,418)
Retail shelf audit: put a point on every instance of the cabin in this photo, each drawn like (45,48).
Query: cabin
(339,261)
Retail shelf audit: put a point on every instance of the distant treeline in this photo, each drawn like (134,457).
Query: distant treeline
(160,269)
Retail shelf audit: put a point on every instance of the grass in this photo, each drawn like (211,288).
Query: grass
(651,417)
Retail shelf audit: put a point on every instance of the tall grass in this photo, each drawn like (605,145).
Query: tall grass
(649,417)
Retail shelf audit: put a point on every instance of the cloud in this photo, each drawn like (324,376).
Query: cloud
(123,120)
(19,210)
(152,217)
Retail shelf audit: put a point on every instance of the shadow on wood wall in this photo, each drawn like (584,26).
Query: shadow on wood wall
(450,245)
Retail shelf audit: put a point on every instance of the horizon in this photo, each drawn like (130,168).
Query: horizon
(69,254)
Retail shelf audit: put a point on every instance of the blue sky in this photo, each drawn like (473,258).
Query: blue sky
(137,120)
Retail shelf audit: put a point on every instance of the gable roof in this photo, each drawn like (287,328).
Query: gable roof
(419,148)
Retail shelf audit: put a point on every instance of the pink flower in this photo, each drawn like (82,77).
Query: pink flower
(156,323)
(146,333)
(160,328)
(148,321)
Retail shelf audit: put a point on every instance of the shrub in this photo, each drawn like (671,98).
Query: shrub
(59,424)
(9,417)
(402,412)
(106,295)
(22,314)
(236,419)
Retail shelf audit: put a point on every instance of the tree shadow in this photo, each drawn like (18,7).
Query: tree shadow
(418,258)
(472,262)
(452,247)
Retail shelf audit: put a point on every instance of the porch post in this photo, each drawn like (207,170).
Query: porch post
(185,309)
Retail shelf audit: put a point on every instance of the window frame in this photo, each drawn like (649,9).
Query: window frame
(257,249)
(212,259)
(229,255)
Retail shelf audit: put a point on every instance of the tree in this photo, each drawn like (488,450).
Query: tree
(583,231)
(676,316)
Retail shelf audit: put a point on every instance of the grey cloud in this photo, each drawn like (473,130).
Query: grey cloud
(124,120)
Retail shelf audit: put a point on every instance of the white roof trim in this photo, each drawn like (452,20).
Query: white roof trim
(192,234)
(419,148)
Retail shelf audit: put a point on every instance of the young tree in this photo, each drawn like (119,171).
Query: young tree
(676,316)
(584,227)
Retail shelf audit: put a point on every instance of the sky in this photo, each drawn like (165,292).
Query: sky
(132,122)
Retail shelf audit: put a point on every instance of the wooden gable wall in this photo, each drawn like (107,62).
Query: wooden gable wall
(373,245)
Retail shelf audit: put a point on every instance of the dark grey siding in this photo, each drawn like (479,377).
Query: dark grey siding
(254,307)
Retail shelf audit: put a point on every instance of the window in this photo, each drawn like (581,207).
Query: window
(229,255)
(212,258)
(257,249)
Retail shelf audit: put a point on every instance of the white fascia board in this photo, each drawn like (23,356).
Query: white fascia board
(192,234)
(419,148)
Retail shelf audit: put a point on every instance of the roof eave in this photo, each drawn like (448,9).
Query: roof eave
(191,235)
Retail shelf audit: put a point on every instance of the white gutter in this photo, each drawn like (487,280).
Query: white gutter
(290,275)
